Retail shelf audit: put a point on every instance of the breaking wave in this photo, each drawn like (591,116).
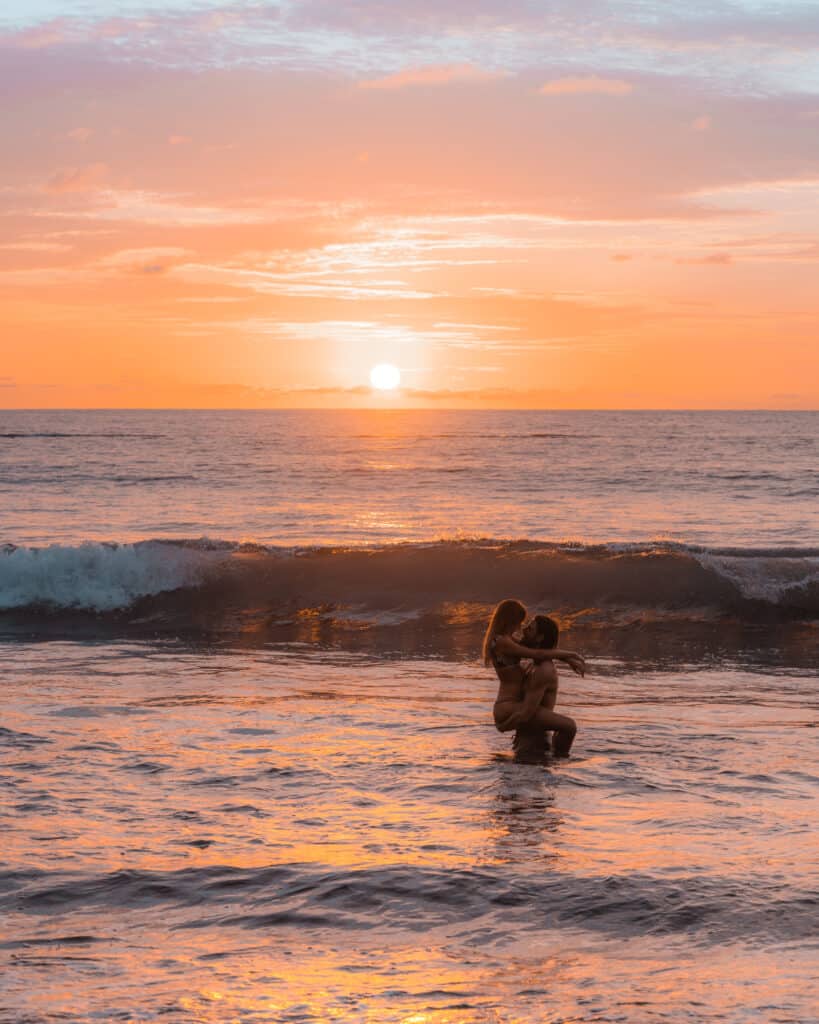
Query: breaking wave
(95,577)
(201,583)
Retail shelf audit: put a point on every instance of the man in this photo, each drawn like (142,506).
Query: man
(531,742)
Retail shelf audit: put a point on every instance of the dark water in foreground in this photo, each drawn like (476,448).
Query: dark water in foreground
(296,834)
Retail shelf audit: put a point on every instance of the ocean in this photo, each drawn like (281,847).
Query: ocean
(247,758)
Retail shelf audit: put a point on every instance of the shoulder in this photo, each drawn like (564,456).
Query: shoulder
(548,668)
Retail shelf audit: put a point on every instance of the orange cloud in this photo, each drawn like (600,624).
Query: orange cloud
(586,85)
(713,259)
(432,74)
(144,261)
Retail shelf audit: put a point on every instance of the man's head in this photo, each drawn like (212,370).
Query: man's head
(541,631)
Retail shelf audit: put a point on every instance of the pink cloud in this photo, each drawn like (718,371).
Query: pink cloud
(179,140)
(585,85)
(40,37)
(432,74)
(628,158)
(78,179)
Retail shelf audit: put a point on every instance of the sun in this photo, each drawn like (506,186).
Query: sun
(385,377)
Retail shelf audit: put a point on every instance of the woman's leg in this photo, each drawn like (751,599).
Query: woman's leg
(501,712)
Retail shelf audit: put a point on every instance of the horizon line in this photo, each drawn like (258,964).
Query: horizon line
(403,408)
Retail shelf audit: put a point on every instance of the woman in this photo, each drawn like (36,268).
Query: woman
(522,689)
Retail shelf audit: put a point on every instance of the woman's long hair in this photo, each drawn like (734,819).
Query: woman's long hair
(507,614)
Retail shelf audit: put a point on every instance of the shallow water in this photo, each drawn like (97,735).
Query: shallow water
(291,833)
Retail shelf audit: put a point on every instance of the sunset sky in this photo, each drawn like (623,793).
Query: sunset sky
(518,204)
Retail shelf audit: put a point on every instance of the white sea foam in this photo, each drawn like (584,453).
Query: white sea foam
(98,577)
(764,578)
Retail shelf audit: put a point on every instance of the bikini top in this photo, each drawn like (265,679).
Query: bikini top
(501,660)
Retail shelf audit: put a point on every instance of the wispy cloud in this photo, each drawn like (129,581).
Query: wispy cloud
(39,37)
(153,260)
(586,85)
(434,74)
(711,259)
(32,246)
(382,260)
(388,334)
(283,283)
(171,209)
(78,179)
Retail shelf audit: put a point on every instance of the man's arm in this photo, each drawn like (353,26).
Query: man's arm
(575,661)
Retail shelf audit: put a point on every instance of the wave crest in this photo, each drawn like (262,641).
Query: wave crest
(198,583)
(95,577)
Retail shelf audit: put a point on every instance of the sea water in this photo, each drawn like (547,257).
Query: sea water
(247,760)
(746,480)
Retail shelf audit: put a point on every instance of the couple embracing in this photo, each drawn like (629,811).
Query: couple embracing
(528,692)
